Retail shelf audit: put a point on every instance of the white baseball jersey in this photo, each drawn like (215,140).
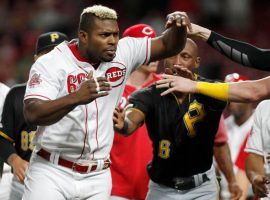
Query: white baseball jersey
(237,134)
(87,131)
(260,130)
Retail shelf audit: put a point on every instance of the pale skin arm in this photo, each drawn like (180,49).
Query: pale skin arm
(199,32)
(133,118)
(224,161)
(246,91)
(174,38)
(18,165)
(40,112)
(243,181)
(256,175)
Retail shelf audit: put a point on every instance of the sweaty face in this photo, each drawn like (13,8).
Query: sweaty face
(187,58)
(102,40)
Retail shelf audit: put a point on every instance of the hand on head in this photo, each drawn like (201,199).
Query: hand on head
(178,18)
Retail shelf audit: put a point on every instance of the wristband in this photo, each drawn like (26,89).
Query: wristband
(218,91)
(124,129)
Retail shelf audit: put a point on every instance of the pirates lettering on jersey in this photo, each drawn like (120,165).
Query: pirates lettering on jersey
(73,81)
(116,74)
(194,114)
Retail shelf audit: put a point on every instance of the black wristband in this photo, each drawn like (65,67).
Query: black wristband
(124,129)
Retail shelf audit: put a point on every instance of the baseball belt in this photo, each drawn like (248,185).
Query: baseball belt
(77,167)
(186,183)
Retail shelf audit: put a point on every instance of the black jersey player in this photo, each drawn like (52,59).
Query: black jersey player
(182,128)
(16,135)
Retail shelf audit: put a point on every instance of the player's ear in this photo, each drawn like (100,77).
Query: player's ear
(197,62)
(83,36)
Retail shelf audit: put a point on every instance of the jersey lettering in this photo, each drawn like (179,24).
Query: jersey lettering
(194,114)
(26,140)
(164,149)
(73,81)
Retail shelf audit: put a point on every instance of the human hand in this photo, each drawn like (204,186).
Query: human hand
(198,32)
(179,18)
(19,167)
(235,191)
(92,88)
(118,118)
(180,71)
(259,186)
(176,83)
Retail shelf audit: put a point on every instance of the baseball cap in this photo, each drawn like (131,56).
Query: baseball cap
(49,40)
(140,30)
(235,77)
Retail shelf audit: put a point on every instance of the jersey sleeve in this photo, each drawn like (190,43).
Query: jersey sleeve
(254,144)
(221,136)
(44,81)
(141,100)
(136,51)
(241,52)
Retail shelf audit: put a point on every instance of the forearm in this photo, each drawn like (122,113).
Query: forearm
(224,161)
(254,166)
(174,40)
(43,113)
(128,128)
(240,52)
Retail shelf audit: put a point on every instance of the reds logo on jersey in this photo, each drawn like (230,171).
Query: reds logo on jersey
(116,74)
(35,80)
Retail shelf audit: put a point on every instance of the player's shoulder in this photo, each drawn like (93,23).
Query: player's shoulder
(18,87)
(4,88)
(129,42)
(263,106)
(16,90)
(148,92)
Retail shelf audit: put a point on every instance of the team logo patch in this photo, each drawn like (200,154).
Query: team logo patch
(116,74)
(35,80)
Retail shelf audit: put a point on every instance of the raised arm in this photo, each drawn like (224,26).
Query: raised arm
(174,38)
(238,51)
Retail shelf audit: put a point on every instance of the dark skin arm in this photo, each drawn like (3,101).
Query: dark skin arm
(223,157)
(174,38)
(40,112)
(256,175)
(133,118)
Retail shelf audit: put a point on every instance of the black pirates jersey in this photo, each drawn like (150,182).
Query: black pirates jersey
(182,133)
(15,130)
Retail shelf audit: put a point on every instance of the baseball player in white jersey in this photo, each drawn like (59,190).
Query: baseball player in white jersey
(258,148)
(71,95)
(5,170)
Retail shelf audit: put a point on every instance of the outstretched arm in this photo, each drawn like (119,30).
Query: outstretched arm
(246,91)
(238,51)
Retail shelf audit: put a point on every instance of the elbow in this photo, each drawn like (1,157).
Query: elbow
(30,117)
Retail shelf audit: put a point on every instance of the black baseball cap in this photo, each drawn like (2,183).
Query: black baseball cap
(49,40)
